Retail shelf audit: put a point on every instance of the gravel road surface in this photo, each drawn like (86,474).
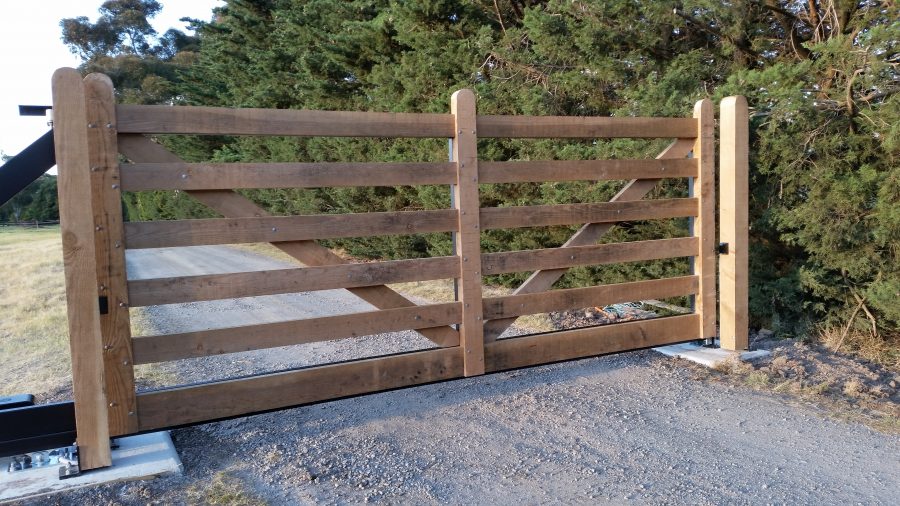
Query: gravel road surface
(633,427)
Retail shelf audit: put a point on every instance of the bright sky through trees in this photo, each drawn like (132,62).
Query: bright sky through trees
(31,49)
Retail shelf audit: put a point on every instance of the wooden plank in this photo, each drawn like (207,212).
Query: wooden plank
(109,236)
(161,234)
(163,119)
(600,254)
(233,205)
(705,223)
(149,292)
(588,234)
(734,168)
(160,348)
(79,255)
(222,399)
(577,298)
(468,238)
(585,170)
(223,176)
(603,212)
(538,349)
(582,127)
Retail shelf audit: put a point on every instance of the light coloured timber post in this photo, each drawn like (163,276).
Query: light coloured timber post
(106,201)
(468,239)
(704,188)
(734,168)
(70,134)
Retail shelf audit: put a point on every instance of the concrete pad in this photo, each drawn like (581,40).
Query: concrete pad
(710,357)
(137,457)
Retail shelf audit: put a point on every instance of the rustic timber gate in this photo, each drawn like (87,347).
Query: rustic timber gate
(91,132)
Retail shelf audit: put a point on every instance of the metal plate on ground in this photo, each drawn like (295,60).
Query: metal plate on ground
(137,457)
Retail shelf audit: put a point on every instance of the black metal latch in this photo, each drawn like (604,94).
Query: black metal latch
(104,304)
(723,248)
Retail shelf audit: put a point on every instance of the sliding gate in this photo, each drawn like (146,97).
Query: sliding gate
(92,132)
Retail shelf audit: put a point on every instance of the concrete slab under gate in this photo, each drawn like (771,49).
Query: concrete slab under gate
(137,457)
(710,357)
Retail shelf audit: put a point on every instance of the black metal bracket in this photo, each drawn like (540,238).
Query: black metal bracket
(723,248)
(103,303)
(34,110)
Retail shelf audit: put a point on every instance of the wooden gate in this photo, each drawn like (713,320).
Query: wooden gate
(92,132)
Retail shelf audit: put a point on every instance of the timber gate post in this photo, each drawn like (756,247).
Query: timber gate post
(734,167)
(704,188)
(468,239)
(73,160)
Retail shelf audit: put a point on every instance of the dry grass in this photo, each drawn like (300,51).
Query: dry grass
(34,350)
(34,343)
(884,350)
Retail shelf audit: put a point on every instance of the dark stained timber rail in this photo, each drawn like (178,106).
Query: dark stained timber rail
(162,234)
(162,119)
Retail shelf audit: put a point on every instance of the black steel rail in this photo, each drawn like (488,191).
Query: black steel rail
(26,167)
(32,428)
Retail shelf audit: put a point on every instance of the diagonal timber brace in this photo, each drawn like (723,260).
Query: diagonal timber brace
(140,149)
(589,233)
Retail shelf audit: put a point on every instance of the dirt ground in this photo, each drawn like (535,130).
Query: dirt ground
(633,427)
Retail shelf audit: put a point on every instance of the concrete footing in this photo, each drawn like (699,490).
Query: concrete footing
(710,357)
(137,457)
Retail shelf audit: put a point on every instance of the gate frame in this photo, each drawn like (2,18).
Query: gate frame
(89,135)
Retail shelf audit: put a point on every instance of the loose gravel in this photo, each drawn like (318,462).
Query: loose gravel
(633,427)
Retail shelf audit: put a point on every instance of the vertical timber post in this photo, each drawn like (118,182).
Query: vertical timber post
(70,134)
(734,168)
(468,240)
(106,201)
(704,188)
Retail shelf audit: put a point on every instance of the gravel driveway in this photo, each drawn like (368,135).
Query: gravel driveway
(632,427)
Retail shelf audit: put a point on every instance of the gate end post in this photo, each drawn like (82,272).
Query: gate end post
(734,168)
(70,131)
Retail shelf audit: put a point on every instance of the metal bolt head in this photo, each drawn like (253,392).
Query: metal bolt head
(115,186)
(109,125)
(112,404)
(91,125)
(184,176)
(274,229)
(122,304)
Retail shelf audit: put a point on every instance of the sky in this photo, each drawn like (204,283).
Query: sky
(31,49)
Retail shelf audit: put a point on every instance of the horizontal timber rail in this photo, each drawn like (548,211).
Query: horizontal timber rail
(92,134)
(230,398)
(570,214)
(218,176)
(160,348)
(221,176)
(576,298)
(148,292)
(162,234)
(584,170)
(598,254)
(160,119)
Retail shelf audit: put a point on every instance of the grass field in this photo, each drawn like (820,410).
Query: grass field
(34,349)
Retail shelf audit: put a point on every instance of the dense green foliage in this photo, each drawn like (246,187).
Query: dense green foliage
(37,202)
(821,78)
